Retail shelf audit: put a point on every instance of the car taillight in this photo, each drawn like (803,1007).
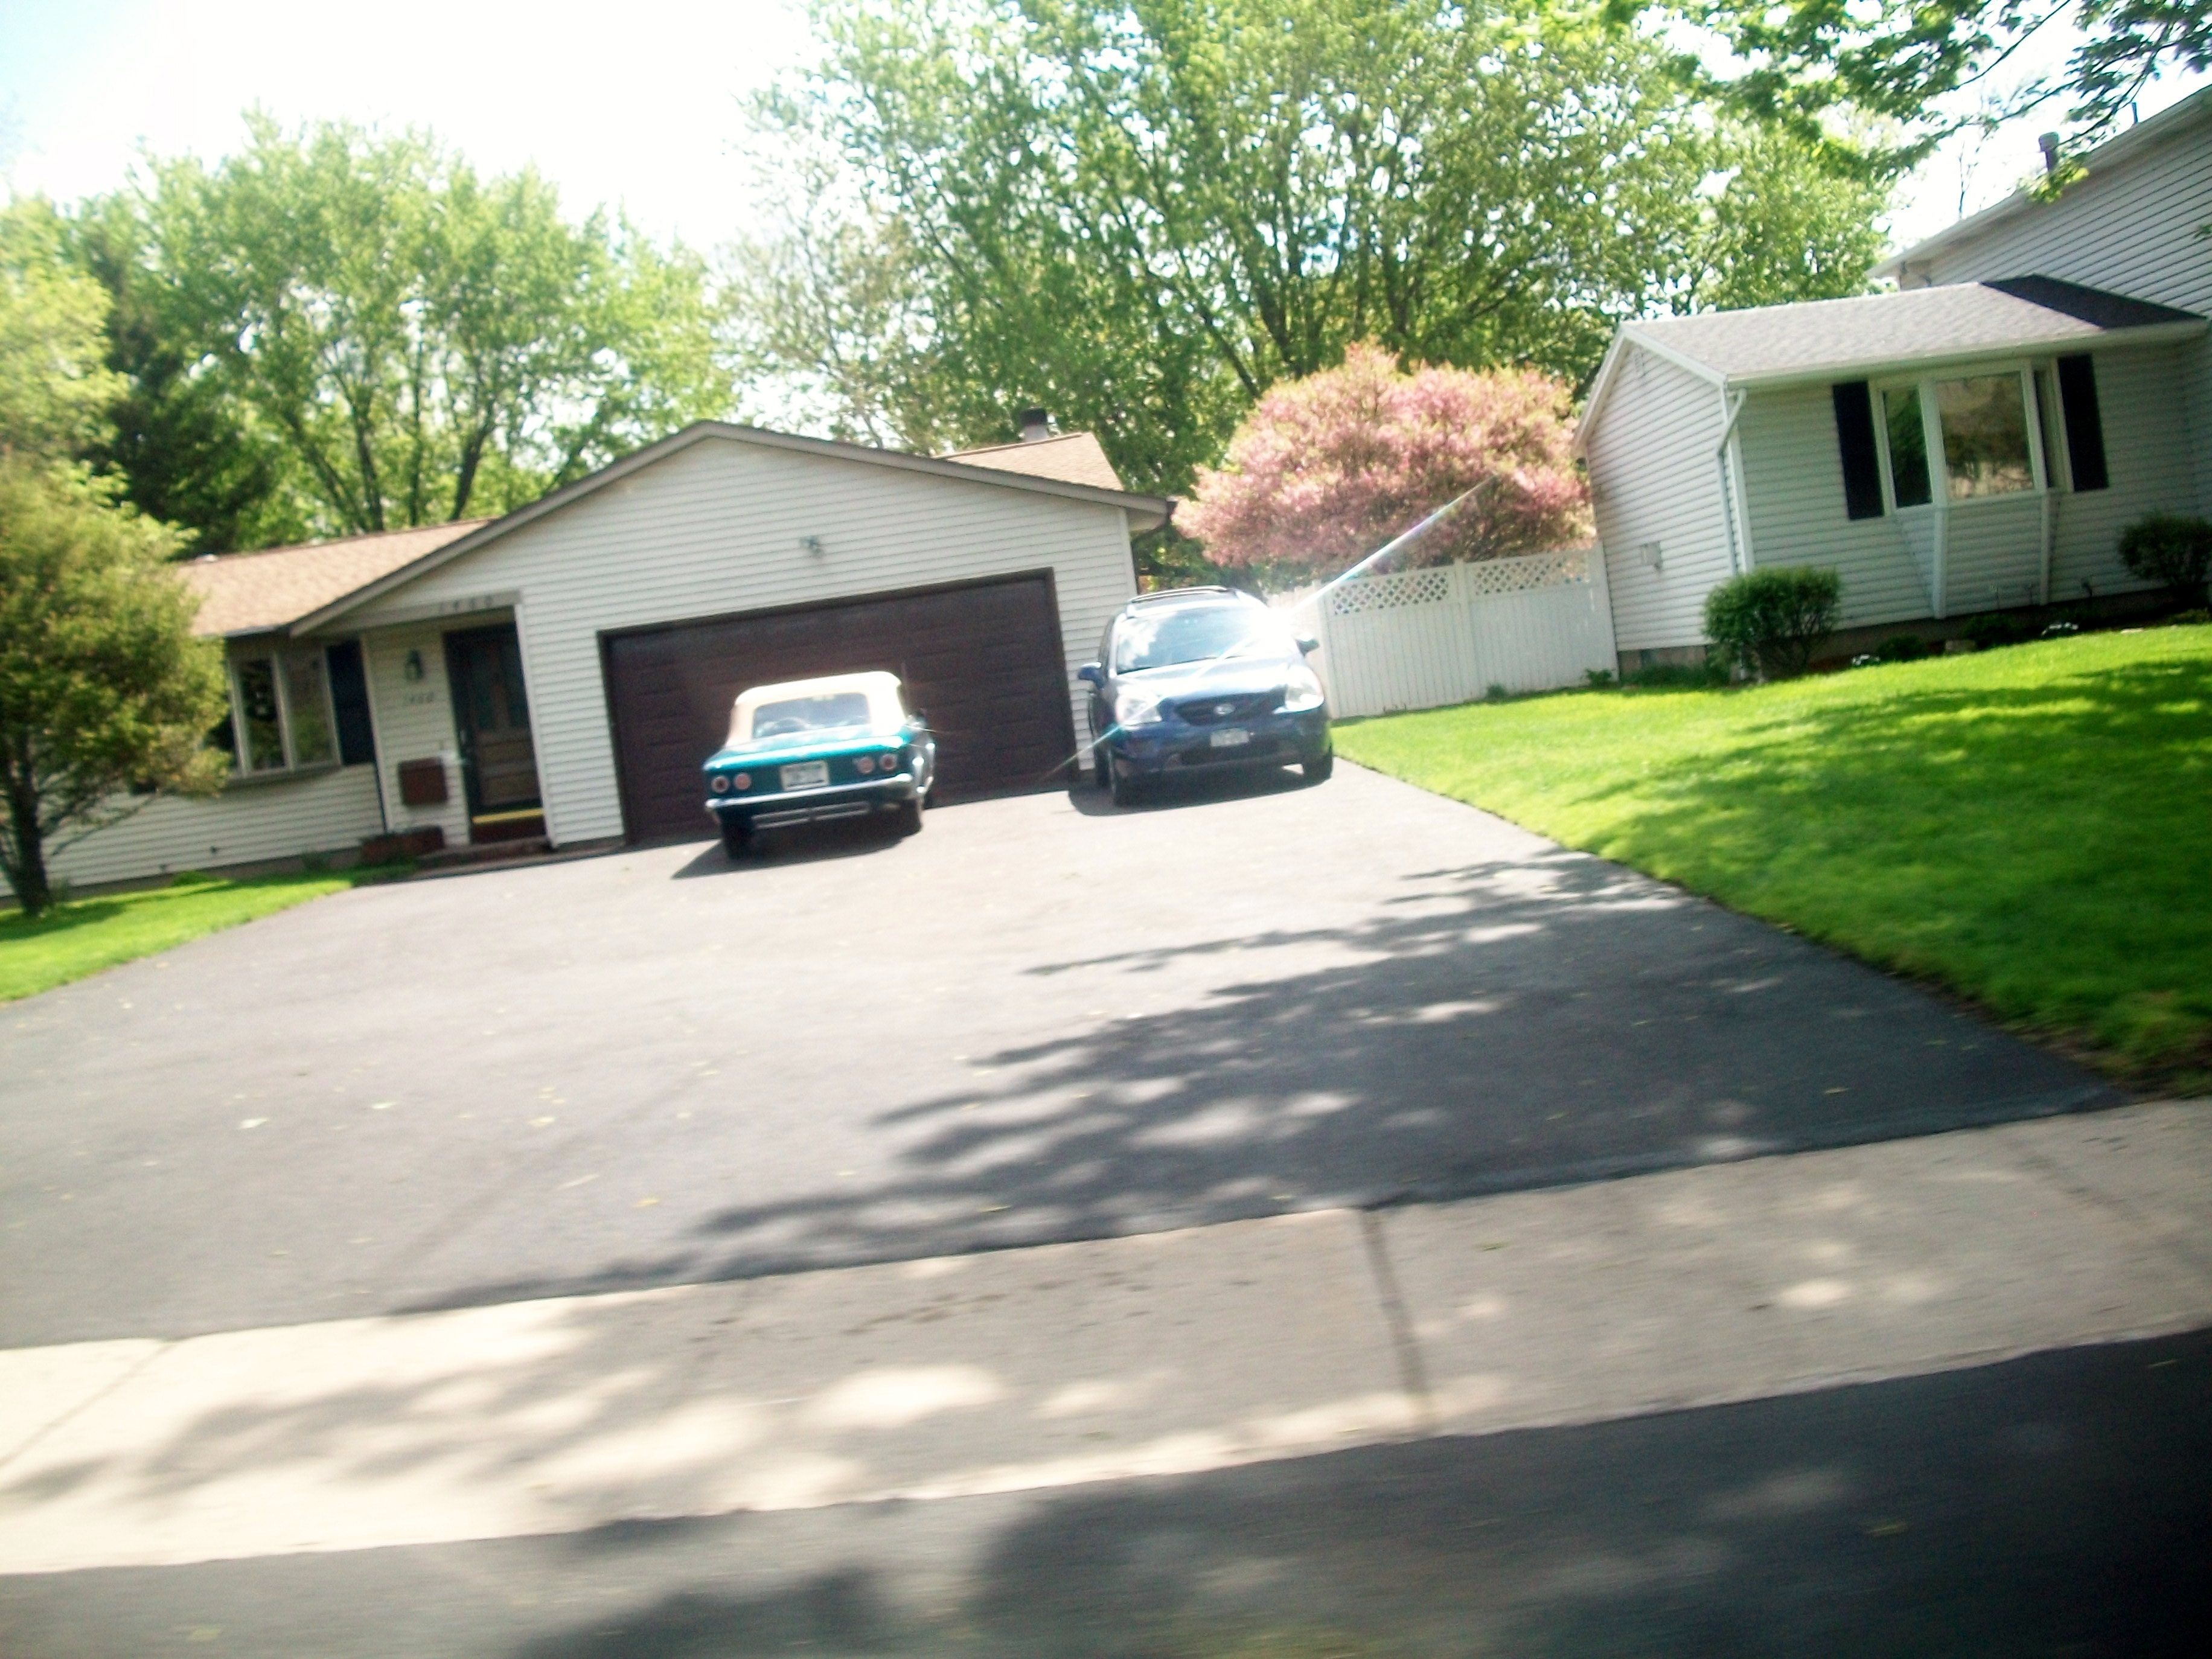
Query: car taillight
(865,765)
(720,784)
(744,780)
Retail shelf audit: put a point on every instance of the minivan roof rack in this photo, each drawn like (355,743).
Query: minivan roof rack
(1185,593)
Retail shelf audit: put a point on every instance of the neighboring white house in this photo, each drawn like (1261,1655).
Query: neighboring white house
(564,669)
(1971,446)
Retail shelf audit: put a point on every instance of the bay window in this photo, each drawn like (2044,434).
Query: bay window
(1938,440)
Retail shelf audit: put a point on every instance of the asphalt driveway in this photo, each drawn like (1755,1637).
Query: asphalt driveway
(1039,1019)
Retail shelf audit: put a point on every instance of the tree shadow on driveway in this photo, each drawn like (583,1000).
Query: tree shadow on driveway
(1499,1026)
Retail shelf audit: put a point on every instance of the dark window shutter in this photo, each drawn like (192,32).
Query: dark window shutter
(1855,443)
(349,702)
(2085,427)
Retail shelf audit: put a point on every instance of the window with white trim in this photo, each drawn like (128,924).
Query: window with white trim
(280,719)
(1967,437)
(1996,432)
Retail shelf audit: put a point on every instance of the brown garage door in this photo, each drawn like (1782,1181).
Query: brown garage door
(983,662)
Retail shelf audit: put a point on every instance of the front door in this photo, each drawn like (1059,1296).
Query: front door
(491,716)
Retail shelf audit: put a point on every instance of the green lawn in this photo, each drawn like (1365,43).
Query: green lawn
(2031,826)
(86,935)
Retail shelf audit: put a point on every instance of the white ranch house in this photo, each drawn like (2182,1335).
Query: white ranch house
(562,671)
(1973,441)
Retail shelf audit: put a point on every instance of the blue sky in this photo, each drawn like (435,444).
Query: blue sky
(639,108)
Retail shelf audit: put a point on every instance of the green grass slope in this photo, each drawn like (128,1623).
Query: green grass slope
(2031,827)
(83,936)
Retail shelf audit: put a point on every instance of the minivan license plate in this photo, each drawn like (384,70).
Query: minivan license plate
(1234,737)
(806,775)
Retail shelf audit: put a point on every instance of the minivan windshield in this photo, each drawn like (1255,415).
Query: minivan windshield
(1199,632)
(794,715)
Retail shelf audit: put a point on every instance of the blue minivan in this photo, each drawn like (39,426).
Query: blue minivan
(1198,678)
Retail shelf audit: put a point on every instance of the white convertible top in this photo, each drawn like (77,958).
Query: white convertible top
(886,712)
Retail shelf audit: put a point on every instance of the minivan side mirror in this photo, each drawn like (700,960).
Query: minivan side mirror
(1091,674)
(1309,644)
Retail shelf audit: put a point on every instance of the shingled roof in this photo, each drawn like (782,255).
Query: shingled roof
(1959,319)
(1073,457)
(254,592)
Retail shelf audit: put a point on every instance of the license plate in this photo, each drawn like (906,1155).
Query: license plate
(1233,736)
(806,775)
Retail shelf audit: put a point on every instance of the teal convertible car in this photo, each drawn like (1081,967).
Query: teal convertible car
(805,751)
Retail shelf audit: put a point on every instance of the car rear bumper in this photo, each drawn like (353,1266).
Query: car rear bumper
(1277,739)
(839,800)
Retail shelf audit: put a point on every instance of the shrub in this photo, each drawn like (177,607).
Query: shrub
(1901,648)
(1677,676)
(1598,679)
(1771,621)
(1991,628)
(2170,549)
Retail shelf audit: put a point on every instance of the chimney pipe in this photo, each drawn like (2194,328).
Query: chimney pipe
(1036,426)
(2048,143)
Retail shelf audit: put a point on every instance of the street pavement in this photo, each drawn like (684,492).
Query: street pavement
(1312,1223)
(1040,1020)
(2048,1506)
(1947,1397)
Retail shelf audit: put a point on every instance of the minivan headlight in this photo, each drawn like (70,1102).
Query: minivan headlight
(1302,690)
(1131,708)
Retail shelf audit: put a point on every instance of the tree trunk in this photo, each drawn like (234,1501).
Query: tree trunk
(23,856)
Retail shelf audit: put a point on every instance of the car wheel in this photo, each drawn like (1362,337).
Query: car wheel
(909,816)
(737,836)
(1102,767)
(1124,787)
(1317,771)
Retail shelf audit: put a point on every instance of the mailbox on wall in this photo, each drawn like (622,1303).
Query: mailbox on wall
(422,782)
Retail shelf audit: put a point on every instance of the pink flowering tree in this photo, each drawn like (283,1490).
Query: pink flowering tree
(1325,469)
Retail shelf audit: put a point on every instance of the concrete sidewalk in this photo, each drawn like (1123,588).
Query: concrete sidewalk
(1073,1363)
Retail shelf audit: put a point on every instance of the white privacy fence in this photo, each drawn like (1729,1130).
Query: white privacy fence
(1420,639)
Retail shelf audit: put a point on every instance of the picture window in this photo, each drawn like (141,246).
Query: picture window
(1986,447)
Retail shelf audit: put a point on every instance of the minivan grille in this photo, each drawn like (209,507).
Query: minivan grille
(1212,711)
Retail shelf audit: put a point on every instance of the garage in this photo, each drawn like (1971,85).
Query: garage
(983,661)
(637,603)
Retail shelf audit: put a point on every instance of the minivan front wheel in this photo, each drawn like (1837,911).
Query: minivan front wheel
(1317,771)
(1126,793)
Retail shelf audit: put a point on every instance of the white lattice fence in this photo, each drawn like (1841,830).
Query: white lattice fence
(1420,639)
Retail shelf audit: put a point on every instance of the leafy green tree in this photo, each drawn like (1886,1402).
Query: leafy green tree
(185,451)
(55,389)
(103,690)
(1142,214)
(423,342)
(1810,59)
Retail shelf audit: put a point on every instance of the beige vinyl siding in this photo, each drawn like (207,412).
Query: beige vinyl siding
(1793,475)
(1993,553)
(1655,479)
(2133,230)
(715,529)
(414,718)
(1794,485)
(2147,447)
(332,811)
